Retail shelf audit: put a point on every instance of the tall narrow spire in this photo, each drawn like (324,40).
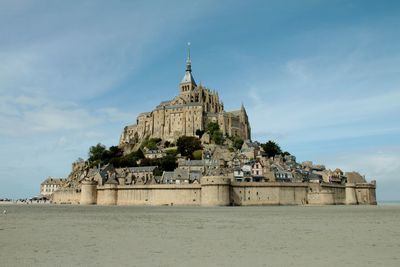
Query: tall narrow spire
(188,61)
(188,84)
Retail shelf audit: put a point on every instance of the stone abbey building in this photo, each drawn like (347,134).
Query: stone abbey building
(191,110)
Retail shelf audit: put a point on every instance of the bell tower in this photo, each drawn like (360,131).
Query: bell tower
(187,84)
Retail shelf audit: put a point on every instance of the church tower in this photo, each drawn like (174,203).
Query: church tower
(187,84)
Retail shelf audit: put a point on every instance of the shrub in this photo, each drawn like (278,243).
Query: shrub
(198,154)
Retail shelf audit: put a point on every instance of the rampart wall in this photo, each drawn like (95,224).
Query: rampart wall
(66,196)
(153,195)
(252,193)
(220,191)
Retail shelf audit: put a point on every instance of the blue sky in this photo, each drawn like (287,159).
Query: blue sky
(321,78)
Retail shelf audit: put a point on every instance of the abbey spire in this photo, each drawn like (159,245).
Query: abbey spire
(188,84)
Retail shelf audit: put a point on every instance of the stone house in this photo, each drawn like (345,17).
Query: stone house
(154,154)
(283,176)
(238,174)
(181,176)
(50,185)
(257,172)
(142,174)
(203,166)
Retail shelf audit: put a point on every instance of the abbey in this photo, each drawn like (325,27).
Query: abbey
(191,110)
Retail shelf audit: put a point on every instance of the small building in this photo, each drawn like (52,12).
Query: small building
(154,154)
(257,169)
(313,178)
(181,176)
(143,174)
(203,166)
(50,185)
(238,174)
(167,177)
(283,176)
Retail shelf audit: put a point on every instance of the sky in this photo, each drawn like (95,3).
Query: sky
(320,78)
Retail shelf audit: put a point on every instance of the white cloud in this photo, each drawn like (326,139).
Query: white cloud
(298,70)
(327,119)
(378,163)
(113,114)
(382,163)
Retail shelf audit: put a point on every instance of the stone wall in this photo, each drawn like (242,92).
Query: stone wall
(153,195)
(252,193)
(66,196)
(220,191)
(366,193)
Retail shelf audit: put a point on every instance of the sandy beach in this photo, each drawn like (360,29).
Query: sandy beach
(48,235)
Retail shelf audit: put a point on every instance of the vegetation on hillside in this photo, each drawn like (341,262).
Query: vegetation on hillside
(151,143)
(99,154)
(237,142)
(215,133)
(272,149)
(187,145)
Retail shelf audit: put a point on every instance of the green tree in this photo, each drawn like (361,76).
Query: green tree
(151,143)
(198,154)
(115,151)
(218,137)
(271,148)
(237,142)
(138,154)
(187,145)
(212,127)
(215,133)
(167,163)
(199,133)
(97,152)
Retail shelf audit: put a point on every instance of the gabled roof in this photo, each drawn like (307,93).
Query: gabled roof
(50,180)
(180,174)
(167,175)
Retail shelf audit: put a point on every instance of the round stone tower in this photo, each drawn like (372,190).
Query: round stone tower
(88,193)
(110,193)
(215,191)
(351,198)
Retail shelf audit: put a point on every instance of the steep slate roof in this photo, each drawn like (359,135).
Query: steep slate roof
(188,78)
(180,174)
(195,175)
(142,169)
(50,180)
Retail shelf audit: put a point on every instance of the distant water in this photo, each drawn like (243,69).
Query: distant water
(47,235)
(389,202)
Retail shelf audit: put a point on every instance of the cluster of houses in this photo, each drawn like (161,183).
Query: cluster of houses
(250,164)
(187,172)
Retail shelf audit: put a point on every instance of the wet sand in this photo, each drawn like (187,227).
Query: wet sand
(47,235)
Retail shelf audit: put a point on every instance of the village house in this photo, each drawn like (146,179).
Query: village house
(142,174)
(154,154)
(50,185)
(181,176)
(257,172)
